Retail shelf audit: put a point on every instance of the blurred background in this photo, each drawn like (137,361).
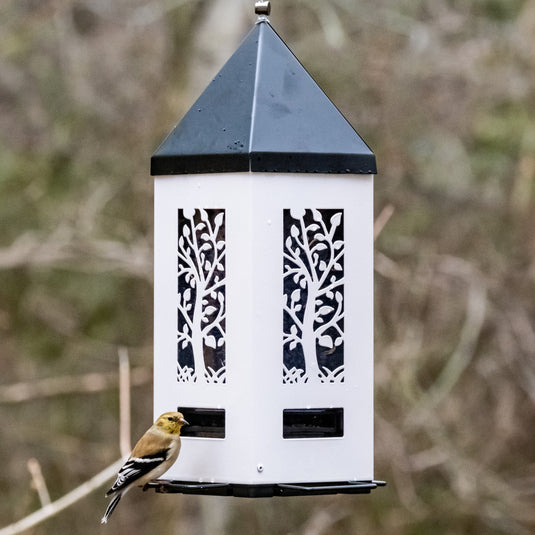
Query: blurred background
(444,93)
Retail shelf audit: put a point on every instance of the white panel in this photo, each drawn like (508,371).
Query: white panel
(352,455)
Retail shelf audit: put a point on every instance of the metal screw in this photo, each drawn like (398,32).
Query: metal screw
(262,8)
(260,467)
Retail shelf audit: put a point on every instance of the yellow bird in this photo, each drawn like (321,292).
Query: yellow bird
(152,456)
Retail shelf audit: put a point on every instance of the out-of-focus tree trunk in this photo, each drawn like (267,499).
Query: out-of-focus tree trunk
(221,28)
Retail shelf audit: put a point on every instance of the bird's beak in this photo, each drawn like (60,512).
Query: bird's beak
(183,421)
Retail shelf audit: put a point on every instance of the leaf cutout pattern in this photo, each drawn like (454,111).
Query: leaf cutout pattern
(313,298)
(201,296)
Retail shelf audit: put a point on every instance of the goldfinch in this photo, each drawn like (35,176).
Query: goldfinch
(153,455)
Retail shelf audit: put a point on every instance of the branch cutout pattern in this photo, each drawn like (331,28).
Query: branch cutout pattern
(201,296)
(313,299)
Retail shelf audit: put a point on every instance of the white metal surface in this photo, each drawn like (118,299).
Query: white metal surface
(253,394)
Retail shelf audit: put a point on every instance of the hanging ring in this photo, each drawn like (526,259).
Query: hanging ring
(262,8)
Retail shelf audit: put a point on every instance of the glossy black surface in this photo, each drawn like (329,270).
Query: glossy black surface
(263,112)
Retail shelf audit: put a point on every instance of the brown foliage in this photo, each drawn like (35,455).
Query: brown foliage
(443,90)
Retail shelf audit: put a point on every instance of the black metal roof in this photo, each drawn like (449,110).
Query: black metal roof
(263,112)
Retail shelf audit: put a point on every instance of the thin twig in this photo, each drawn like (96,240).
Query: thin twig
(52,508)
(65,501)
(38,481)
(124,402)
(63,248)
(382,220)
(458,361)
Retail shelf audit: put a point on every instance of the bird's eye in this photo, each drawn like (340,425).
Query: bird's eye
(170,418)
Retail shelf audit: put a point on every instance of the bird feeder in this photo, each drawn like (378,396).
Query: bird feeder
(263,282)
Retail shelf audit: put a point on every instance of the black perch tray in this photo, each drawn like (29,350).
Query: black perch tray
(264,491)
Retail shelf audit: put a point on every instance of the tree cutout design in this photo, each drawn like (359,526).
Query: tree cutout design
(201,296)
(313,301)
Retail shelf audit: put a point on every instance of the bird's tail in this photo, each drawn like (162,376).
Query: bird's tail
(111,506)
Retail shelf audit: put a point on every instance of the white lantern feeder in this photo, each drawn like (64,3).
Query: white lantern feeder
(263,282)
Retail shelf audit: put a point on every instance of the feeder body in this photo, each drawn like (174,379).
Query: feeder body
(263,313)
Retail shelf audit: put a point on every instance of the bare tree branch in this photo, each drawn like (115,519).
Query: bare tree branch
(52,508)
(38,481)
(65,501)
(124,402)
(382,219)
(69,384)
(476,310)
(63,247)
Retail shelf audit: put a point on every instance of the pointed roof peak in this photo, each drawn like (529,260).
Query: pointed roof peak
(263,112)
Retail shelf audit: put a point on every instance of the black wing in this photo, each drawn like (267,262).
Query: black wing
(136,467)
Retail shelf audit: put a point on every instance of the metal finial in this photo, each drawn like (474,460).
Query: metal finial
(262,8)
